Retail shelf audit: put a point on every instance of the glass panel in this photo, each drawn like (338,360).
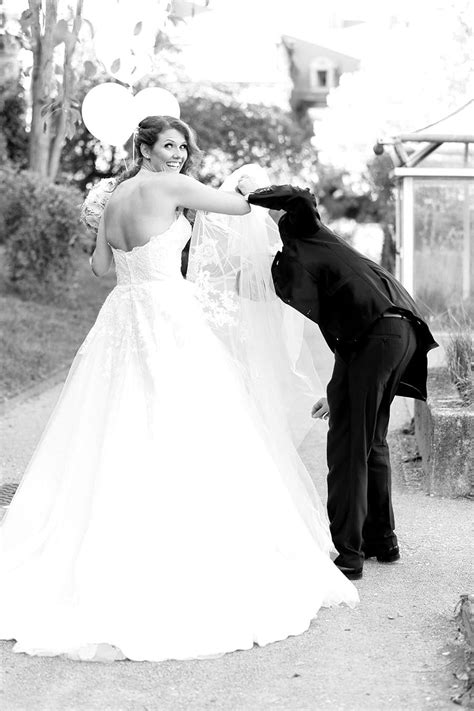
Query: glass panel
(449,155)
(444,247)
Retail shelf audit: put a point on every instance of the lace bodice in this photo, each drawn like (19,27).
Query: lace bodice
(157,260)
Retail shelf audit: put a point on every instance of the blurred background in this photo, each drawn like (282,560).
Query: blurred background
(370,104)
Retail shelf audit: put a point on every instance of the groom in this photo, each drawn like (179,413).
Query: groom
(380,343)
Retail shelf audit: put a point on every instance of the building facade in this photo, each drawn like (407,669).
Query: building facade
(314,70)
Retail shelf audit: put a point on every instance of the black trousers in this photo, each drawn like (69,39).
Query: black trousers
(361,390)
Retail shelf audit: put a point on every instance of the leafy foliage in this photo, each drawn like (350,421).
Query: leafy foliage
(231,134)
(370,199)
(367,198)
(40,227)
(12,122)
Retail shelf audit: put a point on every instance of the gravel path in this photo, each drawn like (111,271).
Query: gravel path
(392,652)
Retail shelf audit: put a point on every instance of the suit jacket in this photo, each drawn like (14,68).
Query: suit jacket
(331,283)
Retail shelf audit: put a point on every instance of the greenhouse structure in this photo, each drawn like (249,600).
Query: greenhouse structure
(434,175)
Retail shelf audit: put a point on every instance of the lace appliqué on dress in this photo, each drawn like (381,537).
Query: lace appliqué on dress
(151,305)
(218,301)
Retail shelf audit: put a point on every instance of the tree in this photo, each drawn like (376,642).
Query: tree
(52,85)
(63,54)
(232,133)
(383,191)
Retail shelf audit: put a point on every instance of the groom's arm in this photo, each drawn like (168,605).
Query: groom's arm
(298,204)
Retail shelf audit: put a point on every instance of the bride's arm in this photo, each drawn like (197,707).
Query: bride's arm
(187,192)
(246,184)
(102,255)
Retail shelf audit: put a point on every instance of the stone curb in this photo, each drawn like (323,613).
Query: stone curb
(33,390)
(466,614)
(443,429)
(465,622)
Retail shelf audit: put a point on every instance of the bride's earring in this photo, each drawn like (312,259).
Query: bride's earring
(148,165)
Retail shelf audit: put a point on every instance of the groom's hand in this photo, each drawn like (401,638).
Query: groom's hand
(246,185)
(320,409)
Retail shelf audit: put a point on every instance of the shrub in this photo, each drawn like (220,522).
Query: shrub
(39,228)
(459,356)
(7,178)
(12,122)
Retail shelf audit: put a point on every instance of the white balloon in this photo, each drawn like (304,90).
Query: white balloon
(154,101)
(108,113)
(111,113)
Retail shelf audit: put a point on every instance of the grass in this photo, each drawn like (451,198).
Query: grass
(38,339)
(438,287)
(460,356)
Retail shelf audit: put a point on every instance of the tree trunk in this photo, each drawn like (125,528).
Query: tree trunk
(388,249)
(42,29)
(67,93)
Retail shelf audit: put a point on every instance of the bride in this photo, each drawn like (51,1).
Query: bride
(165,513)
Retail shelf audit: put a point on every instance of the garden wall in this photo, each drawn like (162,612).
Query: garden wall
(444,428)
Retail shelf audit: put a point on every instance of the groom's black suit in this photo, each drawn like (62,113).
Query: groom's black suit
(380,342)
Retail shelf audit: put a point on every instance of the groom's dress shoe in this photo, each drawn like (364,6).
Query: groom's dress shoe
(351,573)
(383,555)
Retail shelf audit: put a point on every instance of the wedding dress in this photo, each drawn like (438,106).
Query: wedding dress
(143,527)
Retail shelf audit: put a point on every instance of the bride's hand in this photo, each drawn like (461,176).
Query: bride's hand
(246,185)
(320,409)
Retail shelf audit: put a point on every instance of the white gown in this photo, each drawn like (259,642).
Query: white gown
(141,525)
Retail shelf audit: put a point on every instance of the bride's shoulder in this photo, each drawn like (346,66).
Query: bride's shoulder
(172,186)
(173,179)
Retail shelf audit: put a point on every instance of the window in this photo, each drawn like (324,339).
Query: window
(322,73)
(322,78)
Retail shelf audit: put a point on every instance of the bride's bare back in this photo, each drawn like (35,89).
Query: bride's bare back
(146,205)
(138,209)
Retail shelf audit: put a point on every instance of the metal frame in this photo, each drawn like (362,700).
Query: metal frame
(405,221)
(434,172)
(408,169)
(407,242)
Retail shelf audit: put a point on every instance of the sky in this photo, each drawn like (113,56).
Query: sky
(236,40)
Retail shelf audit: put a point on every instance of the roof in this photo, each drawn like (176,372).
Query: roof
(348,41)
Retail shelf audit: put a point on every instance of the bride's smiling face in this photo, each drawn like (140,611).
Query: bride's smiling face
(169,152)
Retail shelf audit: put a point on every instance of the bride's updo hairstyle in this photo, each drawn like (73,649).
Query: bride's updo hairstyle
(148,133)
